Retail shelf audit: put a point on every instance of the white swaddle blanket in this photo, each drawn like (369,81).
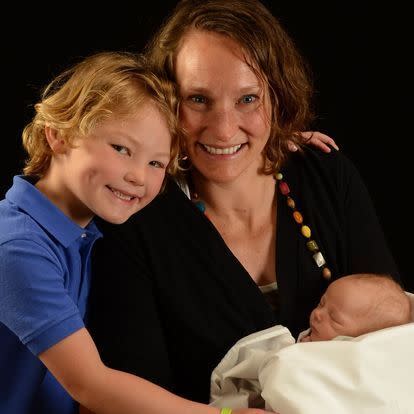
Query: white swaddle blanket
(373,373)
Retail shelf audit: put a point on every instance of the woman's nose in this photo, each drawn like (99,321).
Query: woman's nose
(224,123)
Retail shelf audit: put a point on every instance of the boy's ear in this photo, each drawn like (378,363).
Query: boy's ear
(56,143)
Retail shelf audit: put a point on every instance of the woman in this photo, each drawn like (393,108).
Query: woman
(227,252)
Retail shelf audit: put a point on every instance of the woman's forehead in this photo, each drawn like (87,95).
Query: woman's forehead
(206,57)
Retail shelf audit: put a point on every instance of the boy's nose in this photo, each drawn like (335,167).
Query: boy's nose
(136,176)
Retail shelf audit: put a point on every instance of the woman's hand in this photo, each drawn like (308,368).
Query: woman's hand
(317,139)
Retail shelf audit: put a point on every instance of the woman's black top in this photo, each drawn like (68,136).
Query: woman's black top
(169,298)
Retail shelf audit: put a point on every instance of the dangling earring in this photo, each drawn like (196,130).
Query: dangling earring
(184,162)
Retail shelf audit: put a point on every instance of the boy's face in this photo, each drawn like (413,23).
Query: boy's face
(118,169)
(341,311)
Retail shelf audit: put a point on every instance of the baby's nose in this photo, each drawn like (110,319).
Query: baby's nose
(317,314)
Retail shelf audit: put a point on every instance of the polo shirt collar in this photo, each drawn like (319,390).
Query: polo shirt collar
(29,199)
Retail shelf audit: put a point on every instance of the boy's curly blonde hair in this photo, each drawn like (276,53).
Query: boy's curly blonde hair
(101,86)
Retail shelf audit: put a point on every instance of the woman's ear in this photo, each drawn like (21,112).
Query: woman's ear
(56,143)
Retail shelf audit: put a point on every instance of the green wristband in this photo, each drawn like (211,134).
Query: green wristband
(225,411)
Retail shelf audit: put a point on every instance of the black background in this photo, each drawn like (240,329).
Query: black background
(359,55)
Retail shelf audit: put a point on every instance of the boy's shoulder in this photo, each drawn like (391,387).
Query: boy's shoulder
(16,224)
(28,215)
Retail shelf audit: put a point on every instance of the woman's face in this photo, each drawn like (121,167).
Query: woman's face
(225,109)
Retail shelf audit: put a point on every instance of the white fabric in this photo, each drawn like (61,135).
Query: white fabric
(372,373)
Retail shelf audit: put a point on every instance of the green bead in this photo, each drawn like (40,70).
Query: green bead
(312,246)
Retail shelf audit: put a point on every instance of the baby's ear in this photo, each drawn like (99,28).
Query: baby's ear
(55,141)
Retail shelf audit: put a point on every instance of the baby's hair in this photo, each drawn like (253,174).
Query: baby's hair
(104,85)
(391,306)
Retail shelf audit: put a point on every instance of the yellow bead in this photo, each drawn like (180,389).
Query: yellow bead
(306,231)
(279,176)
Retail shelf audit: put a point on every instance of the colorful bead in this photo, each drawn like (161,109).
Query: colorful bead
(326,273)
(319,259)
(298,217)
(284,188)
(312,246)
(201,206)
(291,202)
(306,231)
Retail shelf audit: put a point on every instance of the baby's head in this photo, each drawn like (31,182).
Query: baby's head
(358,304)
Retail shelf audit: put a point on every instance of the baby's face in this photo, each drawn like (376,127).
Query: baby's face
(339,311)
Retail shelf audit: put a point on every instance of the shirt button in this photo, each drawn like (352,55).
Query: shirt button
(84,235)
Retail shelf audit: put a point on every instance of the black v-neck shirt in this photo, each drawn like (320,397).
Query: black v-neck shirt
(169,298)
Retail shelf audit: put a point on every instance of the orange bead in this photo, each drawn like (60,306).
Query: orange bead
(298,217)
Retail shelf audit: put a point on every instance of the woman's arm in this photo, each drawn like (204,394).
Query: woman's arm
(316,139)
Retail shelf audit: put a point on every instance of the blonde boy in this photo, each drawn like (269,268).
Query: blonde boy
(99,144)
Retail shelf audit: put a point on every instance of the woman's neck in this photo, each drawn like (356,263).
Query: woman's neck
(245,199)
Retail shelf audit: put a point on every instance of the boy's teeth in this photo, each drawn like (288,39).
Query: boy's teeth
(221,151)
(121,195)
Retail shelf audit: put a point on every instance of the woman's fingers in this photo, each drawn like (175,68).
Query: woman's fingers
(318,140)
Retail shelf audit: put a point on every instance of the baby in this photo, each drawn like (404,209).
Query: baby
(264,369)
(358,304)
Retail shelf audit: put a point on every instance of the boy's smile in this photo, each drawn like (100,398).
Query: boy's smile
(114,171)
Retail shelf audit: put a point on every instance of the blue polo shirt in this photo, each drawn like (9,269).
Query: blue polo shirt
(44,286)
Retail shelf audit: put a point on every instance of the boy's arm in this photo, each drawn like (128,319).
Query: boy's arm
(76,364)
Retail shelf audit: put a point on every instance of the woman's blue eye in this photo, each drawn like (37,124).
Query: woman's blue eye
(199,99)
(247,99)
(121,149)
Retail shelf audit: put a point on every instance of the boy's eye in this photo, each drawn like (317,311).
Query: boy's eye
(121,149)
(157,164)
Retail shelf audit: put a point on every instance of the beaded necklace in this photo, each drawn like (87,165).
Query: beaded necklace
(305,230)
